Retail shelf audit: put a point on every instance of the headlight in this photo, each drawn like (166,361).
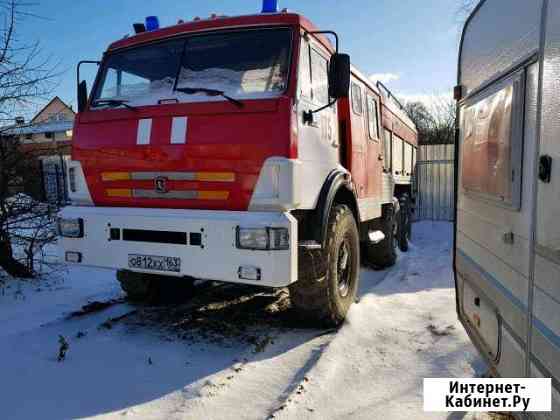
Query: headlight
(263,238)
(71,228)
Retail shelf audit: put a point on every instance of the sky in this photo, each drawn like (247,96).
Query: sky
(409,44)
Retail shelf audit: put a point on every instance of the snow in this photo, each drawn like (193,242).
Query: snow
(259,80)
(42,127)
(258,83)
(403,329)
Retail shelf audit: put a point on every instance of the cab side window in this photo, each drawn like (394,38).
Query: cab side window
(373,118)
(356,98)
(304,79)
(319,78)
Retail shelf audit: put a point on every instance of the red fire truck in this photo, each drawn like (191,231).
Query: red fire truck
(238,149)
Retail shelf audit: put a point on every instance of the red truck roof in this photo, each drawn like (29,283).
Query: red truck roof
(218,23)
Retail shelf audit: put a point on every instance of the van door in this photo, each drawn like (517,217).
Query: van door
(494,217)
(545,335)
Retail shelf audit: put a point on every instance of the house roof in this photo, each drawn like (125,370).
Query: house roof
(48,105)
(40,123)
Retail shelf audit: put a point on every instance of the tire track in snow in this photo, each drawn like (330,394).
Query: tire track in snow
(297,386)
(262,382)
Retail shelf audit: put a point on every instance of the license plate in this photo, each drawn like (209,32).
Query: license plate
(153,262)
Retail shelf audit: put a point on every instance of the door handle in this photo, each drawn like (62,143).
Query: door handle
(380,157)
(545,169)
(509,238)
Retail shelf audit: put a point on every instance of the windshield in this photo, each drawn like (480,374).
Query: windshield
(248,64)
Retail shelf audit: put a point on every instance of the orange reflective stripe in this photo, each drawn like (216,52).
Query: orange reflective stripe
(213,195)
(119,192)
(215,176)
(115,176)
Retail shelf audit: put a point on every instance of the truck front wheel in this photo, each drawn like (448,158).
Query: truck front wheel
(154,288)
(328,278)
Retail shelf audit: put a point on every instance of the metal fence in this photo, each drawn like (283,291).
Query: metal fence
(435,172)
(54,179)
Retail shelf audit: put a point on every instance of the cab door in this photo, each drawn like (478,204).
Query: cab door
(318,140)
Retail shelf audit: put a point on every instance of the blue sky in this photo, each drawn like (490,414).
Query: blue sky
(411,42)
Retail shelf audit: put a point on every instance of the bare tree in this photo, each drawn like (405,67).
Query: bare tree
(26,224)
(26,76)
(465,9)
(434,120)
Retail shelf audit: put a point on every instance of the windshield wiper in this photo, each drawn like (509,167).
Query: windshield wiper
(210,92)
(113,103)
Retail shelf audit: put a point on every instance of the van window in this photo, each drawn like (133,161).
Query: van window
(373,118)
(356,98)
(491,164)
(319,78)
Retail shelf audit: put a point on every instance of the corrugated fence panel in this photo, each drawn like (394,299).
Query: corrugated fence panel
(54,179)
(435,174)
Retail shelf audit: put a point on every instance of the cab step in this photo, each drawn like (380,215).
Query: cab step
(376,236)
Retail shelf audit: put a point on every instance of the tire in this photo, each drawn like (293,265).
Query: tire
(328,278)
(154,288)
(384,254)
(405,222)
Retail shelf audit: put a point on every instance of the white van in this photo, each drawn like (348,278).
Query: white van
(507,241)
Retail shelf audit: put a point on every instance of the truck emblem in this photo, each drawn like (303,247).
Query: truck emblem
(160,184)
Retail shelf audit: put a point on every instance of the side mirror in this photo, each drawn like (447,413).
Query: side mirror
(339,76)
(82,96)
(82,85)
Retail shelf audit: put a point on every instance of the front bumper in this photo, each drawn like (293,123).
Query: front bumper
(215,257)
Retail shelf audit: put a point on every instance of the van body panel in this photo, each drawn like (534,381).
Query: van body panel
(487,51)
(507,253)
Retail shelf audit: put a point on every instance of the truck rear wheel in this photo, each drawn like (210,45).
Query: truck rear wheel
(328,278)
(154,288)
(384,253)
(405,222)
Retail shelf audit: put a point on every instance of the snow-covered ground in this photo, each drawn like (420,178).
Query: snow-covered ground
(144,363)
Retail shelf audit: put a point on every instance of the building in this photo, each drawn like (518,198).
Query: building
(47,137)
(49,131)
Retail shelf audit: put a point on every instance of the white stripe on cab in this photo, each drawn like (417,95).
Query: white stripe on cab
(144,131)
(179,130)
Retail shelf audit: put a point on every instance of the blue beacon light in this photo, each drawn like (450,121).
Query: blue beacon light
(152,23)
(270,6)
